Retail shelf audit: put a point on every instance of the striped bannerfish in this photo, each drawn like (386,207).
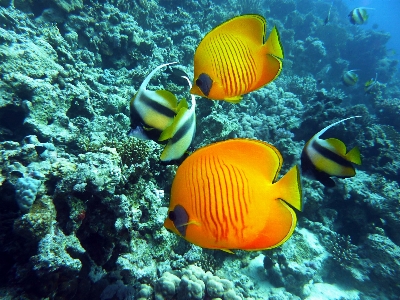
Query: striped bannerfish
(234,59)
(350,78)
(359,15)
(152,111)
(225,196)
(326,158)
(157,115)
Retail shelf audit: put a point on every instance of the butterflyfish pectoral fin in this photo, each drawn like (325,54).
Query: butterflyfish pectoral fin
(290,187)
(234,100)
(228,251)
(190,223)
(354,156)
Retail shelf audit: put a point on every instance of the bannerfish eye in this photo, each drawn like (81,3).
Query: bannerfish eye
(180,218)
(204,82)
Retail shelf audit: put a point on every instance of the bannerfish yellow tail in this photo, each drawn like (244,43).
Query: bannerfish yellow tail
(235,58)
(326,158)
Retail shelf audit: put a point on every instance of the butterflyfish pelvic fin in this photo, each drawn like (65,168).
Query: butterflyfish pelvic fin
(290,186)
(234,100)
(228,251)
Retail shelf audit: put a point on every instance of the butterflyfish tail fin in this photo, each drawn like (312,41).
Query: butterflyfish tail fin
(354,156)
(273,44)
(290,185)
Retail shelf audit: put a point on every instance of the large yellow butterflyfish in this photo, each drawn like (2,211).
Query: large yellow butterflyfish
(226,196)
(235,58)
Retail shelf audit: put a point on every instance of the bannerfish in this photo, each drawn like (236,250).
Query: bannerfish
(359,15)
(329,14)
(226,196)
(326,158)
(152,111)
(369,85)
(350,78)
(235,58)
(181,132)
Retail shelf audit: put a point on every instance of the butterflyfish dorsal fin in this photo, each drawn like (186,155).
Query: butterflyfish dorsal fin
(338,145)
(354,156)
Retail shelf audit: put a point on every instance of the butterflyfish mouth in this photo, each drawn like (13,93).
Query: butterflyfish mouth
(180,218)
(204,82)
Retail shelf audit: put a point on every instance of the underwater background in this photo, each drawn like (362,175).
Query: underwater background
(82,204)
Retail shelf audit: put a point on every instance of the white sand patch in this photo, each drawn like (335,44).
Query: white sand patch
(325,291)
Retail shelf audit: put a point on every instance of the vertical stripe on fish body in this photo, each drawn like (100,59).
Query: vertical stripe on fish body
(235,59)
(224,196)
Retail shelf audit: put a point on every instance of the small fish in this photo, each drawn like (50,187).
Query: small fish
(226,196)
(350,78)
(359,15)
(152,111)
(326,158)
(181,132)
(329,14)
(369,85)
(235,59)
(177,76)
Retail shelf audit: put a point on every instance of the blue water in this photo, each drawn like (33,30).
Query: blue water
(386,15)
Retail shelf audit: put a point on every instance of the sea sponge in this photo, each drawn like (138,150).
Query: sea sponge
(26,190)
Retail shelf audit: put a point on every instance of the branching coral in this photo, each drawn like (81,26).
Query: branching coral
(342,250)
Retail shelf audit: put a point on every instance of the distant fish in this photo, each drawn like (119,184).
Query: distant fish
(181,132)
(326,158)
(370,84)
(350,78)
(359,15)
(235,59)
(329,14)
(226,196)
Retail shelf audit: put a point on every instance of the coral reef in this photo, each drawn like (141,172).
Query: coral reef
(82,204)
